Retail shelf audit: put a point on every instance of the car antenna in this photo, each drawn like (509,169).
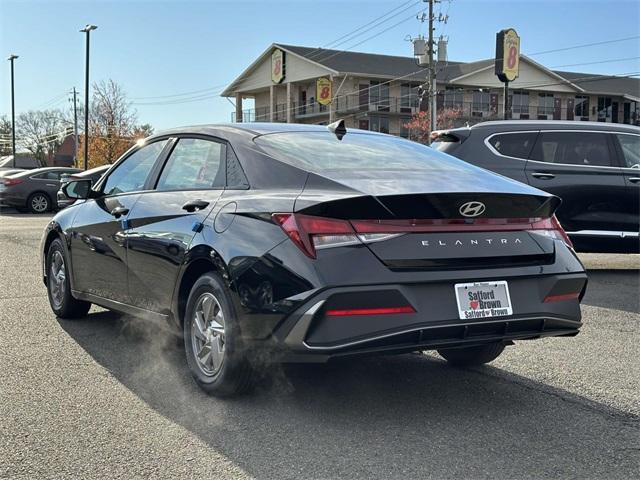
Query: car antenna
(338,128)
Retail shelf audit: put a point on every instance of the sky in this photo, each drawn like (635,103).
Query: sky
(162,50)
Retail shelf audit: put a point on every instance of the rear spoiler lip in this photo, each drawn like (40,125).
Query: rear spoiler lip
(459,134)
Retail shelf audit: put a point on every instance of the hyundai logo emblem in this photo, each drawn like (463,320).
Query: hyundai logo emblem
(472,209)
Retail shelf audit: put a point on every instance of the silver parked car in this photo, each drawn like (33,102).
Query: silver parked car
(33,190)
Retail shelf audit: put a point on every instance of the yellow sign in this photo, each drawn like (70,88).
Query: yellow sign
(277,66)
(507,55)
(323,91)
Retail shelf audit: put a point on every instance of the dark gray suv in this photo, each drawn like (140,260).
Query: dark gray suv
(593,167)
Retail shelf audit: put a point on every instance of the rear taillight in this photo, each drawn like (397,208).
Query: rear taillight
(311,233)
(346,312)
(552,228)
(9,182)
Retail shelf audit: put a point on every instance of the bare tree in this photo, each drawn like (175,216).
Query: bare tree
(111,122)
(5,136)
(41,132)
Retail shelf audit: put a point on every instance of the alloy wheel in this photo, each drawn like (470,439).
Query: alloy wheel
(57,279)
(207,334)
(39,203)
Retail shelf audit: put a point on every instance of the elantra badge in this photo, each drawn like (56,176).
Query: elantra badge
(472,209)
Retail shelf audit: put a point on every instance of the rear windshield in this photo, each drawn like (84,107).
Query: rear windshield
(322,151)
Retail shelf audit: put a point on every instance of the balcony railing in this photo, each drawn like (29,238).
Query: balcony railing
(460,113)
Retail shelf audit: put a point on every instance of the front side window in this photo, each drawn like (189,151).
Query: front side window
(194,163)
(630,145)
(132,173)
(574,148)
(517,145)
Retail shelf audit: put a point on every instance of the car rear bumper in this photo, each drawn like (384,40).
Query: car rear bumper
(311,335)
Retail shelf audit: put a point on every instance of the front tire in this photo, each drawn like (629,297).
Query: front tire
(59,287)
(213,347)
(39,203)
(470,356)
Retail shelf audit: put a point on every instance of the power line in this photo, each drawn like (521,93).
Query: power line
(605,42)
(595,63)
(215,87)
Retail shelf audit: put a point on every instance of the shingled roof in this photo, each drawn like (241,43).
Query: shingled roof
(391,66)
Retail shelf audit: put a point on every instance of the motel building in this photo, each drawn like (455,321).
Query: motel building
(290,83)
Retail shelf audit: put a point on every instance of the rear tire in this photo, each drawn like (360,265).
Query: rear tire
(470,356)
(39,203)
(213,347)
(59,287)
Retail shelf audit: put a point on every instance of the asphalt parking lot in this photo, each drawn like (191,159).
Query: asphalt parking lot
(110,397)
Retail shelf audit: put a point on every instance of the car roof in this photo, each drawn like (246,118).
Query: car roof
(506,125)
(252,129)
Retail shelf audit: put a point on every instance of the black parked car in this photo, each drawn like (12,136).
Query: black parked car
(303,243)
(33,190)
(593,167)
(93,174)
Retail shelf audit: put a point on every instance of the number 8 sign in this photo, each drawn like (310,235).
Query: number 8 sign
(507,55)
(323,91)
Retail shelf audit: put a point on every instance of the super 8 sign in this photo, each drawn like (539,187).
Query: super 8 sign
(277,66)
(323,91)
(507,55)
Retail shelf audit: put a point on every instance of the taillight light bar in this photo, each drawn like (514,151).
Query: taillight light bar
(561,298)
(310,233)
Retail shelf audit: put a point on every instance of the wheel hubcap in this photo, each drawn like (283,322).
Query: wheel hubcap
(57,278)
(39,203)
(207,334)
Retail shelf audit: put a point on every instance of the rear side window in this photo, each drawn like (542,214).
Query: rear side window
(47,176)
(355,153)
(518,145)
(194,163)
(573,148)
(630,145)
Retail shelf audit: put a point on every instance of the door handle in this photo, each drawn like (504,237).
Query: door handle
(634,179)
(193,205)
(543,176)
(119,211)
(52,184)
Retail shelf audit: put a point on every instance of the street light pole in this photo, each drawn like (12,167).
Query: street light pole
(13,113)
(75,128)
(86,30)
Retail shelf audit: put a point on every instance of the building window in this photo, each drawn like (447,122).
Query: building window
(604,109)
(481,103)
(453,97)
(404,131)
(379,96)
(379,124)
(545,104)
(582,107)
(520,102)
(408,97)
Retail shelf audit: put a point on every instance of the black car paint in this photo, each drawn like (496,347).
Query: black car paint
(594,198)
(140,263)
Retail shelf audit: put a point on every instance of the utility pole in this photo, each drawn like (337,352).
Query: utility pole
(13,113)
(423,50)
(431,73)
(75,128)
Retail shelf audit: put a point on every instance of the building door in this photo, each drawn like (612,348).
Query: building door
(557,108)
(626,112)
(363,124)
(302,109)
(614,112)
(570,107)
(493,101)
(363,96)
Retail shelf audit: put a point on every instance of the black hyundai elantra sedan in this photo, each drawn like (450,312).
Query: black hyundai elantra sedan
(303,243)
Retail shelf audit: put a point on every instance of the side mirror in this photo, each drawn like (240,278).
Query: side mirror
(77,189)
